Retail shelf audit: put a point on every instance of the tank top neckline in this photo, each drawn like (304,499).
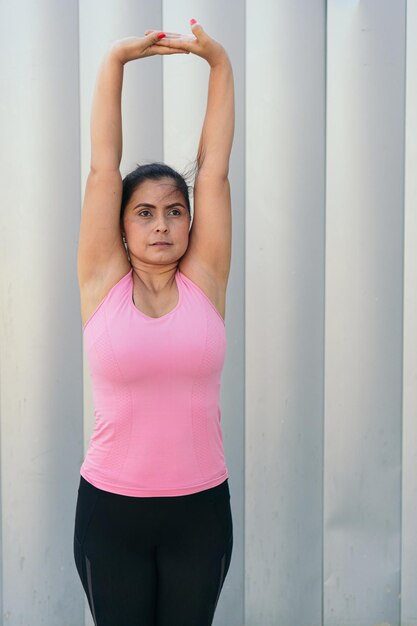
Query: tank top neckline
(161,317)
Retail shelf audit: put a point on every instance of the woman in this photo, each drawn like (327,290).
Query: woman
(153,529)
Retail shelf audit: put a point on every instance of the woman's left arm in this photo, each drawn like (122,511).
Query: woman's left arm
(219,122)
(210,240)
(210,245)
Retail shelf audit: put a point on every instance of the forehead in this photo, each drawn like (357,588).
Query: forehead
(156,190)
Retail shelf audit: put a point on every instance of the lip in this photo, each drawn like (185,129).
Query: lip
(161,243)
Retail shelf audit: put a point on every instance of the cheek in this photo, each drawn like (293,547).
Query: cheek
(138,230)
(185,233)
(186,225)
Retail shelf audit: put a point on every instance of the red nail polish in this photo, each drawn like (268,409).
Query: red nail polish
(161,35)
(193,21)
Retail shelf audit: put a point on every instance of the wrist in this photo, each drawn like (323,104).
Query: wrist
(221,64)
(220,60)
(115,52)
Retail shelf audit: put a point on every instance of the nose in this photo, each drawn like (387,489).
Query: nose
(161,225)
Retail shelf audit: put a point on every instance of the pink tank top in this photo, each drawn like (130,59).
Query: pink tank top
(156,387)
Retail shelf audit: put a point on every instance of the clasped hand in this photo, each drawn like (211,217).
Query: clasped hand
(199,43)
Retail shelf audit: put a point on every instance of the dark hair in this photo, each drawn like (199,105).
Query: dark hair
(156,171)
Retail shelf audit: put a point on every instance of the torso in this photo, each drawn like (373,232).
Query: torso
(92,294)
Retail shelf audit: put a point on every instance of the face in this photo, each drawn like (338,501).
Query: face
(167,219)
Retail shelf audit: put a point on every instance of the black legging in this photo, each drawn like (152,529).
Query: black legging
(154,561)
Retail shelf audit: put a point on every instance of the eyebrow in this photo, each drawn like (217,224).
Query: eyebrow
(152,206)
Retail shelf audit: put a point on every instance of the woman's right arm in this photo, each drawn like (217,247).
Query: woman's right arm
(101,252)
(100,240)
(106,115)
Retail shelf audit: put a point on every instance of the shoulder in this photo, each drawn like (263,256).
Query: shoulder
(96,288)
(213,286)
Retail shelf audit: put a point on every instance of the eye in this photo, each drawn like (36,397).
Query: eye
(147,211)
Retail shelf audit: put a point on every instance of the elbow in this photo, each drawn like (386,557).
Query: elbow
(214,174)
(215,169)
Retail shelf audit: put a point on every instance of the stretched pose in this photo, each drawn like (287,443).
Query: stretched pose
(153,532)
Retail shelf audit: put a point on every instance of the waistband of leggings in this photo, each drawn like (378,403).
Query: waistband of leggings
(218,490)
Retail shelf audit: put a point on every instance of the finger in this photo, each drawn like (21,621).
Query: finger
(178,44)
(169,35)
(179,37)
(158,49)
(196,28)
(153,37)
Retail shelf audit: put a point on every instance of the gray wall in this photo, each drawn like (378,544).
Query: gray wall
(319,390)
(40,328)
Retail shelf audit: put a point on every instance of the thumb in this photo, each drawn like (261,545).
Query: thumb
(196,28)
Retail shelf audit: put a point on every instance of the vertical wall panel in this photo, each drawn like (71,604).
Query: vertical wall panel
(409,464)
(285,169)
(41,364)
(185,98)
(364,309)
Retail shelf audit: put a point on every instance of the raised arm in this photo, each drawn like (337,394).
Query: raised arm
(106,116)
(219,122)
(100,245)
(100,237)
(209,249)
